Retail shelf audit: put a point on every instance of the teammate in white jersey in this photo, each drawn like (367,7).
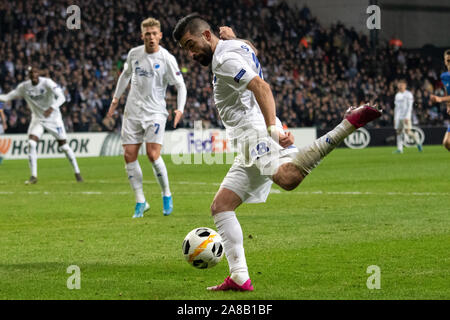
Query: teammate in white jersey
(402,117)
(43,97)
(266,153)
(151,68)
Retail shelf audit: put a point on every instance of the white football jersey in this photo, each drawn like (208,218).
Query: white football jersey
(46,94)
(403,105)
(234,65)
(150,74)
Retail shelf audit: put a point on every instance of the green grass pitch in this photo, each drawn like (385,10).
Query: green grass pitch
(358,208)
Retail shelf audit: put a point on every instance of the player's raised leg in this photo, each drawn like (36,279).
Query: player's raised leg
(223,210)
(135,178)
(310,156)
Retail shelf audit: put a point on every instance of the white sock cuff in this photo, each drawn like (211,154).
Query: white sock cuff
(132,165)
(223,216)
(32,143)
(65,147)
(158,162)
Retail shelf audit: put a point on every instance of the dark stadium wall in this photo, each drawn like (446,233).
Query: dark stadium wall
(416,22)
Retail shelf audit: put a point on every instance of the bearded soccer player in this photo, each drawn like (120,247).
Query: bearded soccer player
(266,153)
(43,97)
(445,78)
(151,68)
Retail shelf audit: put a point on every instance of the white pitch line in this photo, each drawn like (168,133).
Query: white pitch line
(273,191)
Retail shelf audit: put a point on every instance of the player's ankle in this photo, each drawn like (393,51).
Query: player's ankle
(240,277)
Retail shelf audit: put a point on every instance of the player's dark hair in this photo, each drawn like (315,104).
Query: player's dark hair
(447,52)
(192,23)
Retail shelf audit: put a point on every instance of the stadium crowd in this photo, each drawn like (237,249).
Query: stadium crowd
(315,72)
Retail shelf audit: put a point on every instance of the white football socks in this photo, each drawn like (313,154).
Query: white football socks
(134,172)
(32,157)
(400,142)
(233,244)
(160,171)
(310,156)
(71,156)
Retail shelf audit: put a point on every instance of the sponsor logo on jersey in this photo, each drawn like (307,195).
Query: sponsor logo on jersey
(358,139)
(144,73)
(239,75)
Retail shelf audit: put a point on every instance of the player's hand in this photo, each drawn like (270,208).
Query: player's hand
(112,107)
(178,115)
(435,98)
(286,139)
(48,112)
(226,33)
(448,108)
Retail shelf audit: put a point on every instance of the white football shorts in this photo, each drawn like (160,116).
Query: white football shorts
(250,176)
(55,127)
(401,124)
(139,131)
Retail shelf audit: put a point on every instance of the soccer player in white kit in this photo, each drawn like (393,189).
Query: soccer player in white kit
(266,153)
(402,116)
(151,68)
(43,97)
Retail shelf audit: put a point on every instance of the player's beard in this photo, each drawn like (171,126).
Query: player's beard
(205,57)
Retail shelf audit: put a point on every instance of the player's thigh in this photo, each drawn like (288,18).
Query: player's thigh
(56,129)
(131,152)
(154,131)
(35,129)
(247,183)
(153,151)
(132,132)
(225,200)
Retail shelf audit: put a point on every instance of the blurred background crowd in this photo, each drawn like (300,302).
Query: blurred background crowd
(316,72)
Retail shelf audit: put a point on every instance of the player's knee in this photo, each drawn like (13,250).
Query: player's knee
(129,156)
(61,143)
(218,206)
(153,155)
(288,177)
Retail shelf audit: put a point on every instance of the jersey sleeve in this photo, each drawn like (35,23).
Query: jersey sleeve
(409,105)
(58,93)
(173,74)
(124,77)
(235,70)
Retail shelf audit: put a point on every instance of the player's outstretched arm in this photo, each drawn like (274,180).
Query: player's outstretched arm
(10,96)
(266,102)
(439,99)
